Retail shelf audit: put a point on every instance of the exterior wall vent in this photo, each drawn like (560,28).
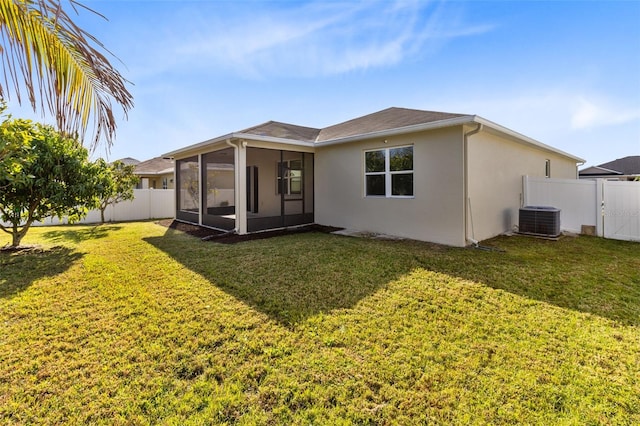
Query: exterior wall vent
(539,220)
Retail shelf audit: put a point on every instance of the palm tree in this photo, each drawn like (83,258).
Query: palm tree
(45,53)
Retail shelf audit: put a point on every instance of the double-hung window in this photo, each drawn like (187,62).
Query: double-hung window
(389,172)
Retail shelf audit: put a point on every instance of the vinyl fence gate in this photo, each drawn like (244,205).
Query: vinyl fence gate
(611,208)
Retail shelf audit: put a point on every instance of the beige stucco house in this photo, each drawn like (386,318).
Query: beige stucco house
(446,178)
(156,173)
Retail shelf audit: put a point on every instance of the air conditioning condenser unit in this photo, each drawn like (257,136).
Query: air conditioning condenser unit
(539,220)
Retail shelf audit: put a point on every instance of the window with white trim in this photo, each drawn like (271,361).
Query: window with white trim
(547,168)
(389,172)
(290,177)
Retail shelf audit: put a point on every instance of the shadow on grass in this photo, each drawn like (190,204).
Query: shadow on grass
(291,278)
(586,274)
(282,276)
(81,234)
(19,269)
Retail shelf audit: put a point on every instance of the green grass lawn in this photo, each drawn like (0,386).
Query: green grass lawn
(139,324)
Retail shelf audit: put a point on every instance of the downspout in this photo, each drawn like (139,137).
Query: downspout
(201,190)
(241,209)
(578,165)
(236,182)
(467,202)
(175,185)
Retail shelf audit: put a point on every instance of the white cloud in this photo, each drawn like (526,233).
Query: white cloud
(321,38)
(566,109)
(595,126)
(598,112)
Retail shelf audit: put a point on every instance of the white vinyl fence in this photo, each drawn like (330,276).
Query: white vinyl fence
(612,207)
(621,210)
(147,204)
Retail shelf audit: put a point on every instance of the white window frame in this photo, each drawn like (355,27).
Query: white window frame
(387,173)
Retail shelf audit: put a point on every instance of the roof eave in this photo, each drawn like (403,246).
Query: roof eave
(154,173)
(525,139)
(604,170)
(197,146)
(272,139)
(234,136)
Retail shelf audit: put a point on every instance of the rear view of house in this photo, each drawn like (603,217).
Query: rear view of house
(432,176)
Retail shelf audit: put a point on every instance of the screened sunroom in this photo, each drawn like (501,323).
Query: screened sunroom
(233,185)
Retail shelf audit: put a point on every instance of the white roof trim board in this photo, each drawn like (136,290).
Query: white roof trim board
(233,137)
(601,169)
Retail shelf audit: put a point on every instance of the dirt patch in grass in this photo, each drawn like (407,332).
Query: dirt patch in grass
(226,238)
(12,249)
(187,228)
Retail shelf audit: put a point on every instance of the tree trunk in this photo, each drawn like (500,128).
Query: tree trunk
(102,209)
(18,234)
(15,236)
(15,241)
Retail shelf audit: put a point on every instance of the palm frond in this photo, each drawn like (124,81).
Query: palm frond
(45,53)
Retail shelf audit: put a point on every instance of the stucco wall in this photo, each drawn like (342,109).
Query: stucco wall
(435,213)
(155,181)
(496,166)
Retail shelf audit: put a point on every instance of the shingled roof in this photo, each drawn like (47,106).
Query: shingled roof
(129,161)
(157,165)
(390,118)
(386,122)
(284,130)
(627,166)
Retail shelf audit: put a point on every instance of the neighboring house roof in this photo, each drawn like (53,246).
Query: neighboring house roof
(388,122)
(627,166)
(598,171)
(154,166)
(128,161)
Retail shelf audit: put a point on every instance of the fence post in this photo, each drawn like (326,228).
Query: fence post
(600,207)
(149,213)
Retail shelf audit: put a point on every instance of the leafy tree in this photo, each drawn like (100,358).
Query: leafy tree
(44,51)
(118,181)
(55,178)
(14,150)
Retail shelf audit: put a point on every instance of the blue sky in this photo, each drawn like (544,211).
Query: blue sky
(564,73)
